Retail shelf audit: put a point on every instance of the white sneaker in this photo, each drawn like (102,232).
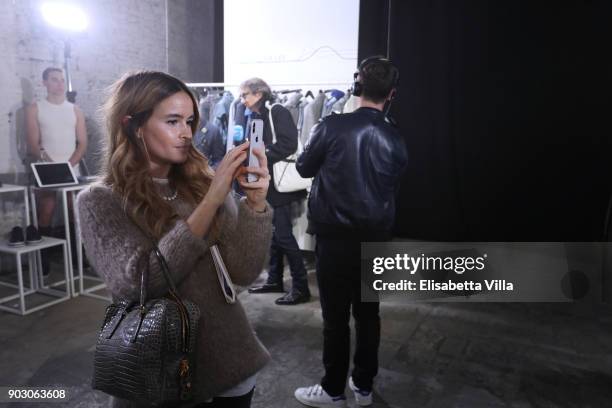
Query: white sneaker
(362,398)
(315,396)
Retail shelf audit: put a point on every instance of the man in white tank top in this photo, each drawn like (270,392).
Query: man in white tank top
(56,132)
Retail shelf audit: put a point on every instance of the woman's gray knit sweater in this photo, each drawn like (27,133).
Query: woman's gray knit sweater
(228,349)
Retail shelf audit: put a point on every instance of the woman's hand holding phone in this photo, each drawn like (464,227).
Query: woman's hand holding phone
(202,217)
(229,168)
(256,191)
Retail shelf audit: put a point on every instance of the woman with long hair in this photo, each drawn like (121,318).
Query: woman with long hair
(157,186)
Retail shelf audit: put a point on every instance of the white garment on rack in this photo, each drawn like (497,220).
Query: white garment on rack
(352,104)
(312,114)
(339,105)
(292,103)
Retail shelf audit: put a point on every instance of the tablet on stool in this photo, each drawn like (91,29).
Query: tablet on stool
(54,174)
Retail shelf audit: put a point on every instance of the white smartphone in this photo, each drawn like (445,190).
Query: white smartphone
(255,133)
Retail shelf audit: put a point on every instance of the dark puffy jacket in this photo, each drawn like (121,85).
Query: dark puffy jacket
(357,160)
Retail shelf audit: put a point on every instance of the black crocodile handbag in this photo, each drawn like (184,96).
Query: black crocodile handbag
(146,350)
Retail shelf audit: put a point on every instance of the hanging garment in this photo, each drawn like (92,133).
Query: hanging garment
(220,112)
(339,105)
(278,97)
(312,113)
(334,96)
(352,104)
(207,106)
(210,140)
(292,103)
(300,123)
(232,113)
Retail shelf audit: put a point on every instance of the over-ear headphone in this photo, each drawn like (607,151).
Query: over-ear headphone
(358,87)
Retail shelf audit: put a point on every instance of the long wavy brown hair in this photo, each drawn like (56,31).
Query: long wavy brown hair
(126,167)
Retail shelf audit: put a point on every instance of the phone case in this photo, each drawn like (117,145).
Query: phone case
(256,138)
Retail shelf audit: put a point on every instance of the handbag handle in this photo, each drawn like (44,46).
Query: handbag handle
(299,146)
(144,278)
(270,106)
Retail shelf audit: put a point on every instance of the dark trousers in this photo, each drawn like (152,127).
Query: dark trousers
(243,401)
(338,275)
(284,243)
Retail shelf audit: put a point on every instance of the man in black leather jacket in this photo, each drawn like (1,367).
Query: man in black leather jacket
(356,160)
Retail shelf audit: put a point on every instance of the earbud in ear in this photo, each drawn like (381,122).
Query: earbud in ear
(357,88)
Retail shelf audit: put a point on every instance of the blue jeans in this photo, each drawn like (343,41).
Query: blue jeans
(284,243)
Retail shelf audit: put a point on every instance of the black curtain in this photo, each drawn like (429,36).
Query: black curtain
(504,106)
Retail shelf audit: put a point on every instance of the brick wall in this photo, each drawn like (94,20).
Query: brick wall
(174,36)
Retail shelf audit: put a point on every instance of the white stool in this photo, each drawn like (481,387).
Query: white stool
(36,278)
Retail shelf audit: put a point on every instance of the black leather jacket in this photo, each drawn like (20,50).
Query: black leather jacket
(357,160)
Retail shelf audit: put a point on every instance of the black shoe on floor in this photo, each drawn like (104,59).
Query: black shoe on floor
(16,238)
(267,288)
(32,235)
(293,298)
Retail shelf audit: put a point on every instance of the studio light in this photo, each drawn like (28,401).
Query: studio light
(64,16)
(68,17)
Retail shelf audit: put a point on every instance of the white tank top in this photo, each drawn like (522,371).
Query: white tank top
(57,125)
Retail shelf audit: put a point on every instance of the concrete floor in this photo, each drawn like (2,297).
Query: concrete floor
(432,355)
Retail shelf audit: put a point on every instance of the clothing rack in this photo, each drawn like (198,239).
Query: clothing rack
(272,85)
(286,91)
(312,89)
